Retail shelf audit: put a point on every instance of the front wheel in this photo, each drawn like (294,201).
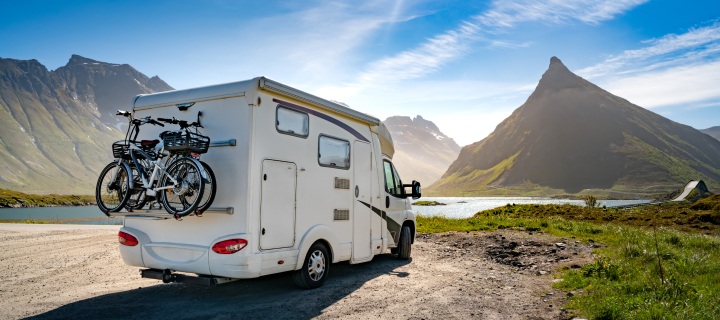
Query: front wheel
(405,246)
(315,269)
(113,187)
(185,195)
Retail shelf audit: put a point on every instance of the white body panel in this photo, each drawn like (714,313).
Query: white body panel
(297,204)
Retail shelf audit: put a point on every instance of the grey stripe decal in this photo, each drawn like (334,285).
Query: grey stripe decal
(392,225)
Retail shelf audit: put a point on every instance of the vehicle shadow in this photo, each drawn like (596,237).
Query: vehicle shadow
(274,296)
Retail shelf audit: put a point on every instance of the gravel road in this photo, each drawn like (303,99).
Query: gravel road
(50,273)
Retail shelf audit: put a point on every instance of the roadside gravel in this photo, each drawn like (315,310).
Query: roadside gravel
(78,273)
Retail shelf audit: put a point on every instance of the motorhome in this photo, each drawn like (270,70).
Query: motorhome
(302,182)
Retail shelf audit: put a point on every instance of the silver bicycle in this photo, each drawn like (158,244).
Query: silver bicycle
(140,175)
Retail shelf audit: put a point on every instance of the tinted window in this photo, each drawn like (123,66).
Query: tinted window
(292,122)
(333,152)
(393,184)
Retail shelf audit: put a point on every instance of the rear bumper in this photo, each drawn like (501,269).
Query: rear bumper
(202,260)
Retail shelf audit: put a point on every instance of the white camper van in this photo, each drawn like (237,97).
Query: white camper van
(302,182)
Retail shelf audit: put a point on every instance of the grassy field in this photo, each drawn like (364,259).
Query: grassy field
(657,263)
(9,197)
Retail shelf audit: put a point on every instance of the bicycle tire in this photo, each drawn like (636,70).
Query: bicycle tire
(210,189)
(116,192)
(189,177)
(138,198)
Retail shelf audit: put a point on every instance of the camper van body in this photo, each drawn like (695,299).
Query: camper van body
(273,190)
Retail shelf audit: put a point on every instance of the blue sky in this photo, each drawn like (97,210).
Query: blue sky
(464,65)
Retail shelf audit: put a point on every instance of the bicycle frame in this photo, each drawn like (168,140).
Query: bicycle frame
(156,166)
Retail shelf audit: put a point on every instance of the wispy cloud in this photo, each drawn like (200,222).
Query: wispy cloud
(437,51)
(669,50)
(682,85)
(509,13)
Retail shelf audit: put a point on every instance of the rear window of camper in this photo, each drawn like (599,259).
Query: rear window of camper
(333,152)
(292,122)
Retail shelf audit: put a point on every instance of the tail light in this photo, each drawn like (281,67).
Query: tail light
(127,239)
(229,246)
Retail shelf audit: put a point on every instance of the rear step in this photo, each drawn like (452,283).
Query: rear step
(167,277)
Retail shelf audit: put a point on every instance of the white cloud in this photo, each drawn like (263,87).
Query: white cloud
(437,51)
(674,86)
(669,50)
(509,13)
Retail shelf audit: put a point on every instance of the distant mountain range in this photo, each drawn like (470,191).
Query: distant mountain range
(571,135)
(56,126)
(422,151)
(713,132)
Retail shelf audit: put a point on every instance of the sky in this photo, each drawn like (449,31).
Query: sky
(465,65)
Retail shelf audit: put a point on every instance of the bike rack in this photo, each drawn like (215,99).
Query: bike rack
(159,214)
(223,143)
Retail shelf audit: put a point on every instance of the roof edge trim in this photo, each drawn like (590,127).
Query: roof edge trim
(277,87)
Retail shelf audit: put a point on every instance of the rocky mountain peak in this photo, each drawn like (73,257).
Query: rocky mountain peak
(77,59)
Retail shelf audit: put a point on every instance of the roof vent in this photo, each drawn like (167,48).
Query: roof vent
(185,106)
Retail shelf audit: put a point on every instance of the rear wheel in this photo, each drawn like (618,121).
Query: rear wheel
(210,187)
(405,246)
(184,196)
(315,269)
(137,199)
(113,187)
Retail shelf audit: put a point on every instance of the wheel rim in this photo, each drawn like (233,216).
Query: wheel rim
(316,265)
(113,190)
(184,195)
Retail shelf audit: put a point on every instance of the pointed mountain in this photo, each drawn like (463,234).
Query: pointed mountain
(572,135)
(422,151)
(56,127)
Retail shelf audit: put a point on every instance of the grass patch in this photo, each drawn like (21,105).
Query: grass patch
(428,203)
(10,198)
(643,273)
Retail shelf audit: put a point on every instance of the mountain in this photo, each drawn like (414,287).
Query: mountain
(422,151)
(56,127)
(713,132)
(571,135)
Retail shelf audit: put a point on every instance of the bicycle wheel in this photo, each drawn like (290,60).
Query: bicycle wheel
(185,195)
(210,188)
(137,198)
(113,189)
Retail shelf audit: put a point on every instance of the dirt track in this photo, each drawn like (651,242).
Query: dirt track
(79,274)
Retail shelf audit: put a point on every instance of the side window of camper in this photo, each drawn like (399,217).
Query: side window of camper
(393,185)
(292,122)
(333,152)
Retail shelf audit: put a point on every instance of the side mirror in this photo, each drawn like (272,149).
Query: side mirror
(415,194)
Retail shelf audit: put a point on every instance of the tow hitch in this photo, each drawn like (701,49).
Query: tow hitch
(167,277)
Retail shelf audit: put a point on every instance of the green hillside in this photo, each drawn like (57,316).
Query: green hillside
(56,127)
(571,136)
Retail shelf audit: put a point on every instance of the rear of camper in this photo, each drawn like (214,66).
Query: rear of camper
(302,182)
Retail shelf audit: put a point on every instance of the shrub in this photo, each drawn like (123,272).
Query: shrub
(590,201)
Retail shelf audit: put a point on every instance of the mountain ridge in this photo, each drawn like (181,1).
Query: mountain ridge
(422,151)
(56,126)
(572,135)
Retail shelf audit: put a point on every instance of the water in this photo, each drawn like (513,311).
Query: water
(452,210)
(59,213)
(475,204)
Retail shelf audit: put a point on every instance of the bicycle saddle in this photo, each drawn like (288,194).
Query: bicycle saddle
(150,143)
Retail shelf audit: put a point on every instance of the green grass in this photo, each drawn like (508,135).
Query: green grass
(625,281)
(428,203)
(12,197)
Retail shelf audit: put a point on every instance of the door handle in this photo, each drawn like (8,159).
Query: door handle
(357,191)
(387,202)
(263,231)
